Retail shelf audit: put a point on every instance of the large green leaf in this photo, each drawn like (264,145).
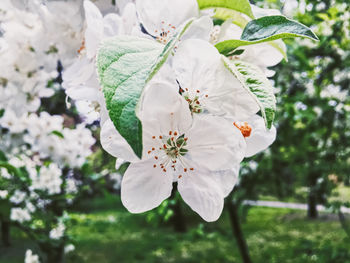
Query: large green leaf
(258,86)
(125,65)
(242,6)
(264,29)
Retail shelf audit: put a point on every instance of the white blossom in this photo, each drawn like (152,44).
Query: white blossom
(5,174)
(18,197)
(48,179)
(69,248)
(58,232)
(177,148)
(207,84)
(31,258)
(3,194)
(20,215)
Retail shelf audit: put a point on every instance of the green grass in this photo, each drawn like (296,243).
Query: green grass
(105,232)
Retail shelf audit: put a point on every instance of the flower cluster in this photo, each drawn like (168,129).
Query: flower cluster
(38,149)
(198,120)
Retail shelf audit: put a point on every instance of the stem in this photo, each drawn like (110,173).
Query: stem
(178,219)
(312,200)
(312,212)
(237,229)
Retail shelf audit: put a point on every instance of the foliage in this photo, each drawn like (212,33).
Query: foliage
(312,146)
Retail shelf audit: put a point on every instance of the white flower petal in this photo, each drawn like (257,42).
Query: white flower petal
(144,187)
(94,30)
(112,25)
(153,12)
(164,108)
(202,193)
(130,20)
(82,93)
(238,103)
(260,12)
(260,137)
(214,143)
(227,179)
(195,64)
(115,144)
(263,55)
(118,163)
(80,81)
(228,31)
(198,67)
(104,116)
(80,71)
(201,28)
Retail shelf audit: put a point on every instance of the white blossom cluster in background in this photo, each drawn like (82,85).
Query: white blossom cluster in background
(30,257)
(29,66)
(36,39)
(332,91)
(29,136)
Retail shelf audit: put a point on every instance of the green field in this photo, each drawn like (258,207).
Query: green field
(105,232)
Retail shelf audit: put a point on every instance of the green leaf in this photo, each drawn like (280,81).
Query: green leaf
(258,86)
(125,65)
(264,29)
(275,27)
(242,6)
(58,134)
(241,21)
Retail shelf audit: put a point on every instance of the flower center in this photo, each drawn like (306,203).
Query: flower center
(193,101)
(245,129)
(176,147)
(165,33)
(168,150)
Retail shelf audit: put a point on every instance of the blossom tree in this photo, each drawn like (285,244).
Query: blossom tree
(39,152)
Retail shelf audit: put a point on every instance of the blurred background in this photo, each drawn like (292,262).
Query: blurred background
(292,202)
